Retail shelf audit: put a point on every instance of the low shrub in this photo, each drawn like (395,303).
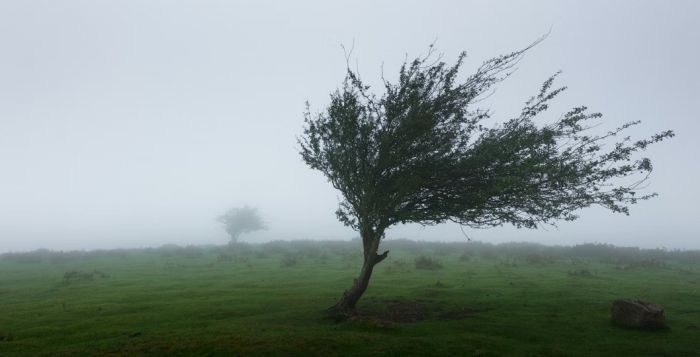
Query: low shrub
(427,263)
(78,275)
(290,260)
(398,266)
(466,256)
(33,257)
(580,272)
(642,264)
(259,254)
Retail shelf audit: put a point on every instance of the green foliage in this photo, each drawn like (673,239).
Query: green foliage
(419,152)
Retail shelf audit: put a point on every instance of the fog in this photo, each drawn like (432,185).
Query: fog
(132,123)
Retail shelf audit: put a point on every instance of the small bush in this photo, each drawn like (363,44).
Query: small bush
(33,257)
(442,249)
(398,266)
(643,264)
(188,252)
(347,256)
(259,254)
(78,275)
(322,258)
(310,252)
(488,254)
(508,263)
(439,284)
(580,272)
(276,247)
(66,257)
(427,263)
(290,260)
(466,256)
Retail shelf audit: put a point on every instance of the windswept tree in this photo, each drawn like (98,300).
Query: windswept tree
(241,220)
(419,152)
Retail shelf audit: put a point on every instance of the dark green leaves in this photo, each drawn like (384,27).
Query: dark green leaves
(419,153)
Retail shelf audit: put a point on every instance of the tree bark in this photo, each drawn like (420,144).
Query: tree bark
(346,304)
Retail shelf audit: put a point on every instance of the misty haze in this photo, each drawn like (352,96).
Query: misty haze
(349,178)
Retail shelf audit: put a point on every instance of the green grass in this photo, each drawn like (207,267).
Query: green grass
(270,300)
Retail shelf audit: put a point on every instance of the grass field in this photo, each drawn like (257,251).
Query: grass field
(462,299)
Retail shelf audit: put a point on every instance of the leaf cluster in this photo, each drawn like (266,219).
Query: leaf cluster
(241,220)
(420,152)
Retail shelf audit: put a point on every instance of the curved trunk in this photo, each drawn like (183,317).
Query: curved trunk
(234,238)
(346,304)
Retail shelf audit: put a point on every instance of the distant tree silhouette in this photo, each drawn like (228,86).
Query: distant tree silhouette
(420,153)
(241,220)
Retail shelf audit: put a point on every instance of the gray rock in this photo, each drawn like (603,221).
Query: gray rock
(638,314)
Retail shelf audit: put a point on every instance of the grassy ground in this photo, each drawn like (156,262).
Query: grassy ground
(269,300)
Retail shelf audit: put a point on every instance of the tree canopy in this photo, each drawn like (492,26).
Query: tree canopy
(420,152)
(241,220)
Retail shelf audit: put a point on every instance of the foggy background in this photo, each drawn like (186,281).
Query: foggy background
(137,123)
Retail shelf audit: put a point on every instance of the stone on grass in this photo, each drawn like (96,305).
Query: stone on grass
(631,313)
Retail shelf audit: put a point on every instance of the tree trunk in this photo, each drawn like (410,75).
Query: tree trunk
(346,304)
(234,238)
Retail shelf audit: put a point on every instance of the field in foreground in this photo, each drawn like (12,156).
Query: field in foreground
(457,299)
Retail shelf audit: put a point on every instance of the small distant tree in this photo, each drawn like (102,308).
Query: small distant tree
(241,220)
(421,153)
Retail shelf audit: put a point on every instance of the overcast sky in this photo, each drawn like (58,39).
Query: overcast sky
(136,123)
